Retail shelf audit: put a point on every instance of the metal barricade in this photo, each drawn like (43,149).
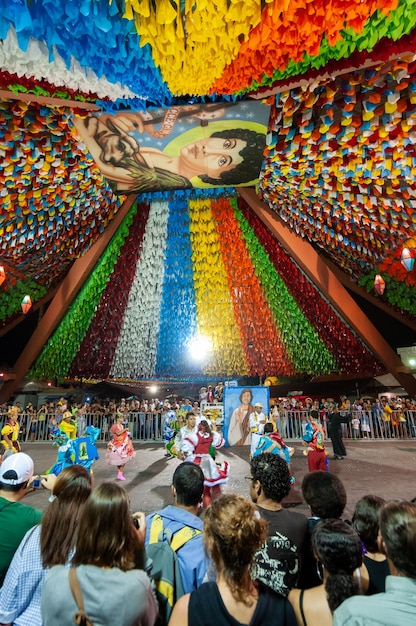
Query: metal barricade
(290,423)
(371,425)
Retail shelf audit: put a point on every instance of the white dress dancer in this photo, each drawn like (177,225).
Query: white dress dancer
(198,448)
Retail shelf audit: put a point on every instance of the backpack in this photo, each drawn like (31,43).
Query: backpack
(164,570)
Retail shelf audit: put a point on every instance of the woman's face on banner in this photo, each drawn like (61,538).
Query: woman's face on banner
(246,397)
(212,156)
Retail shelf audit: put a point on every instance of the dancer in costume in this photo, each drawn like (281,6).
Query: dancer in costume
(274,443)
(120,449)
(189,428)
(171,426)
(86,452)
(10,431)
(80,451)
(196,447)
(314,438)
(66,452)
(68,425)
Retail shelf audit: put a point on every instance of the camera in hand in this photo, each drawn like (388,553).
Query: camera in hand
(37,484)
(136,522)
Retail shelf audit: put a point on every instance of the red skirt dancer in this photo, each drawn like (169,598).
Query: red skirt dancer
(196,449)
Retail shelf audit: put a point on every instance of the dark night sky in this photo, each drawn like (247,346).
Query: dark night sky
(396,334)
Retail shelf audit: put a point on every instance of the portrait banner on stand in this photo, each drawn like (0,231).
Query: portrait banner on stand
(239,404)
(194,146)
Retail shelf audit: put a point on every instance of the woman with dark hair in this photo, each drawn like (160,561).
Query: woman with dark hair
(239,433)
(51,543)
(375,567)
(337,547)
(233,532)
(108,548)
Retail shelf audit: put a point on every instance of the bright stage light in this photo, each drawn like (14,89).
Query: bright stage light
(199,348)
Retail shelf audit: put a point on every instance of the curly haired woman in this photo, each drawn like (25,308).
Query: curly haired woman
(233,532)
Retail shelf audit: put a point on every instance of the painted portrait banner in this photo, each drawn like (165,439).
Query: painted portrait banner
(239,404)
(203,145)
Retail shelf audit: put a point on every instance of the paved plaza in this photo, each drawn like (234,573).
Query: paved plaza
(384,468)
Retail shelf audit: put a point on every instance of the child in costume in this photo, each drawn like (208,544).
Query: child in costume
(170,429)
(271,441)
(10,431)
(120,449)
(195,447)
(314,438)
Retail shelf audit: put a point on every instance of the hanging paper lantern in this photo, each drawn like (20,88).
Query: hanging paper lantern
(379,284)
(2,275)
(408,258)
(26,304)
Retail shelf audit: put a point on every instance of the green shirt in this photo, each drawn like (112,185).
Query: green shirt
(15,520)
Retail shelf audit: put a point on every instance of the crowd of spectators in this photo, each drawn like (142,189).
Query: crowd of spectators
(382,417)
(243,560)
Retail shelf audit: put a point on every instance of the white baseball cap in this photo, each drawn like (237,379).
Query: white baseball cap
(16,469)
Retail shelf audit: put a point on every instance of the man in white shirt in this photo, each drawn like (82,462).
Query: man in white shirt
(257,420)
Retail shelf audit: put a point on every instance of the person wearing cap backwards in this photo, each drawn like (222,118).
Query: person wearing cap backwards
(257,420)
(16,476)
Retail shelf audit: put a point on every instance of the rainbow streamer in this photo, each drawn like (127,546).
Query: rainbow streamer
(215,313)
(137,343)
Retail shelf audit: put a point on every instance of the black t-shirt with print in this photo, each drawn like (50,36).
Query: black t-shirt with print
(278,562)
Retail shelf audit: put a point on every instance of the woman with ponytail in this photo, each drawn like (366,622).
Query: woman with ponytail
(337,548)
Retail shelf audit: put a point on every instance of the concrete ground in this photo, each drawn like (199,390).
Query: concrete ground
(384,468)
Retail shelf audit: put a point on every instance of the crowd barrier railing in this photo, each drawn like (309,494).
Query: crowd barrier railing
(371,425)
(148,426)
(142,426)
